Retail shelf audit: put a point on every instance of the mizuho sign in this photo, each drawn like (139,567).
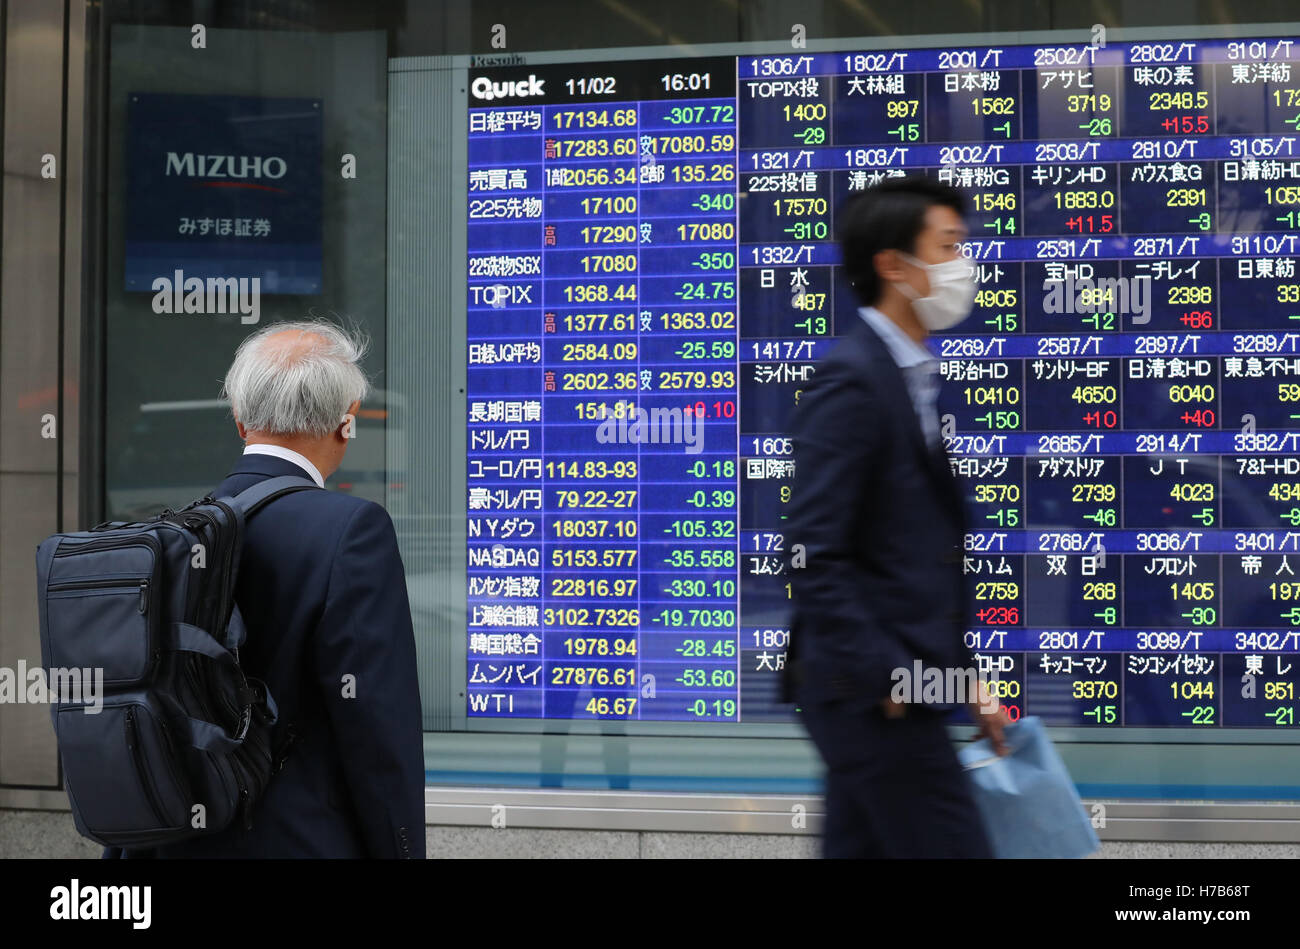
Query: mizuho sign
(190,165)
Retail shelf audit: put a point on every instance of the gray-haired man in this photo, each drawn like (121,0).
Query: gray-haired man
(323,595)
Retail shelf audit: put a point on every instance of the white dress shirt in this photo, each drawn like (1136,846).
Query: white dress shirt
(287,454)
(920,370)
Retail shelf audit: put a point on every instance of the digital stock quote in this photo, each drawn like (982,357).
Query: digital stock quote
(652,277)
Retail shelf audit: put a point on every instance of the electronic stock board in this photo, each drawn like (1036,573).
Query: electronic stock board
(652,278)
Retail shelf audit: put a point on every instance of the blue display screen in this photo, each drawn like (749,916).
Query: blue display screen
(652,277)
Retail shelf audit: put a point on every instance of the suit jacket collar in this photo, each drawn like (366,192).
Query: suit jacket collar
(268,466)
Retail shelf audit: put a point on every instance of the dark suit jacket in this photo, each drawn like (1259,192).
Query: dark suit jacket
(323,595)
(881,522)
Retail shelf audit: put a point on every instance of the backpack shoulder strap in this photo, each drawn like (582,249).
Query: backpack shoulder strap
(252,499)
(248,502)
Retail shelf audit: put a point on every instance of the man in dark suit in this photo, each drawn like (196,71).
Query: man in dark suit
(323,596)
(875,536)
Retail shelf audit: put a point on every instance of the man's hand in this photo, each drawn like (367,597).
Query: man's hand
(990,718)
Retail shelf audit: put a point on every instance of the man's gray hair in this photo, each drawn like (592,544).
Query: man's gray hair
(300,383)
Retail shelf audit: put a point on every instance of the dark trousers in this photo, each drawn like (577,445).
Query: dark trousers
(894,787)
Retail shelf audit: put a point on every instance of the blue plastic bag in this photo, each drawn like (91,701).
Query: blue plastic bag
(1029,804)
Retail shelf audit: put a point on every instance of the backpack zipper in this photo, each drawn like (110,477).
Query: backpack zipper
(141,582)
(218,622)
(195,520)
(137,755)
(154,650)
(226,605)
(110,543)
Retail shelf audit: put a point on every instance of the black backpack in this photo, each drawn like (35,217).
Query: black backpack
(176,743)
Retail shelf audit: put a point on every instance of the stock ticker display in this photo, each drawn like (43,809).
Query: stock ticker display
(651,277)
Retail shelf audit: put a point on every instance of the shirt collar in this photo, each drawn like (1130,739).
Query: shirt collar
(906,351)
(288,454)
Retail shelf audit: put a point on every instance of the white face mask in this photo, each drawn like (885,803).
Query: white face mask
(952,291)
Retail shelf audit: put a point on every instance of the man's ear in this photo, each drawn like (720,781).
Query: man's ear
(888,265)
(243,432)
